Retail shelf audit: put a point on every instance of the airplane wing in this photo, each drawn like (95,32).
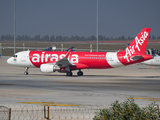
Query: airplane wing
(64,61)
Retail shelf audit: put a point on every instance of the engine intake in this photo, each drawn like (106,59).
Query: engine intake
(46,68)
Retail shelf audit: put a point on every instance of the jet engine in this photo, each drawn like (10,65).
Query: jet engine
(153,52)
(47,68)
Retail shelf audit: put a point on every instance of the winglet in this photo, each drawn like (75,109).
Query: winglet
(119,50)
(70,49)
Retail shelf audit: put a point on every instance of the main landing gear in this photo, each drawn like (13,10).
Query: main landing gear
(26,72)
(79,73)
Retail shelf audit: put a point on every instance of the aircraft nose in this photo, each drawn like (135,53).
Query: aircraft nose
(9,61)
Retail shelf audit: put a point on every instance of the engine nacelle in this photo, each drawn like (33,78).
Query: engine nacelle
(47,68)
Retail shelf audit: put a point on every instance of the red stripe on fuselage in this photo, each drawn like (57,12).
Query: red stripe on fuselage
(94,60)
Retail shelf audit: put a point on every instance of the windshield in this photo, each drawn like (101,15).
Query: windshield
(14,55)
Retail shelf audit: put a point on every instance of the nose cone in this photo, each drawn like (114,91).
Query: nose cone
(10,61)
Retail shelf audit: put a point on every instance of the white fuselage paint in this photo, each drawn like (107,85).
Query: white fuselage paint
(113,60)
(22,59)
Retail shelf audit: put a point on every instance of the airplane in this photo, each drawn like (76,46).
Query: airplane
(153,62)
(67,61)
(156,57)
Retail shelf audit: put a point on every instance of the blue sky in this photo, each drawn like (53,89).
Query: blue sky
(79,17)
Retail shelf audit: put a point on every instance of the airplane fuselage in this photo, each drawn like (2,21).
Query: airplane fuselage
(82,60)
(91,60)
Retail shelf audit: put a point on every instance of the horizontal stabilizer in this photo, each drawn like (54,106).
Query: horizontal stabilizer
(134,58)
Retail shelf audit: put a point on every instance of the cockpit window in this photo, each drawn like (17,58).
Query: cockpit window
(14,55)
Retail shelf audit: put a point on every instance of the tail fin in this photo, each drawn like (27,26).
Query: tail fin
(138,45)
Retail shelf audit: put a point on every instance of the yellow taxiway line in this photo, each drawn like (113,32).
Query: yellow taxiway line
(148,99)
(49,103)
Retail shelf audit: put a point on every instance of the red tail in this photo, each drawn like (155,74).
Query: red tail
(139,44)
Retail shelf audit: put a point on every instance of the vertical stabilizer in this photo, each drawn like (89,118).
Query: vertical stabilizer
(138,45)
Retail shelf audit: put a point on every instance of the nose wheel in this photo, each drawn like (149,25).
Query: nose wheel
(69,73)
(26,72)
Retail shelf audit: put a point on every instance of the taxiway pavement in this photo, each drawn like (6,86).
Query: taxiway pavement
(96,87)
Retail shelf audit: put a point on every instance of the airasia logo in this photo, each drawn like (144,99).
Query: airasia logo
(138,42)
(45,57)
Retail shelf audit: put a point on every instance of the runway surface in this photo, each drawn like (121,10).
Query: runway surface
(96,87)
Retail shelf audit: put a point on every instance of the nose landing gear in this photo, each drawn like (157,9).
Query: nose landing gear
(69,73)
(26,71)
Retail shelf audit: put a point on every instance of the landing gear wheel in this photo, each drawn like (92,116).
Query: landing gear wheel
(26,72)
(80,73)
(69,73)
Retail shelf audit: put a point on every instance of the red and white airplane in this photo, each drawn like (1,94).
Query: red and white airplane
(63,61)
